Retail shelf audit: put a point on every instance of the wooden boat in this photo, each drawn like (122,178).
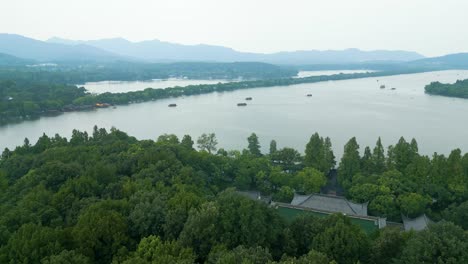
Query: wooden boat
(248,98)
(382,86)
(241,104)
(172,105)
(393,89)
(309,95)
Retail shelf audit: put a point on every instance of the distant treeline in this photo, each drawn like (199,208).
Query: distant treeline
(72,73)
(26,99)
(30,98)
(458,89)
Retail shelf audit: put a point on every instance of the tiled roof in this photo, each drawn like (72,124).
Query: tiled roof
(418,223)
(330,203)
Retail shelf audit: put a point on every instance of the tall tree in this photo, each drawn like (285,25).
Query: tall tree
(273,147)
(254,145)
(313,152)
(402,154)
(350,163)
(414,146)
(207,142)
(187,142)
(455,176)
(366,162)
(319,154)
(378,158)
(329,161)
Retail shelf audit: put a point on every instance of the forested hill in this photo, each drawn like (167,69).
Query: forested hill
(108,197)
(8,60)
(457,89)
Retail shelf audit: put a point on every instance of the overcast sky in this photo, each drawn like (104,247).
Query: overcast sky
(431,27)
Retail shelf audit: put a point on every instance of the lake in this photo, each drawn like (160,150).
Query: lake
(338,109)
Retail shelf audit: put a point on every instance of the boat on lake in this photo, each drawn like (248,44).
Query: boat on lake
(241,104)
(172,105)
(309,95)
(248,98)
(382,86)
(393,88)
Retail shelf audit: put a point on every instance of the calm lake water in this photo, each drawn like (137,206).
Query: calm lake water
(338,109)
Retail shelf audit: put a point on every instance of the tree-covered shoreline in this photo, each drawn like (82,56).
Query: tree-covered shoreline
(458,89)
(21,99)
(108,197)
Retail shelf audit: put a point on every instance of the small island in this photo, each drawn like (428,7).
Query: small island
(458,89)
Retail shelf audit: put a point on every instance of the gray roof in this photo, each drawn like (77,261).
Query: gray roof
(419,223)
(330,203)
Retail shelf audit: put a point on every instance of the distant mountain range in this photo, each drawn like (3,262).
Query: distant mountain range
(9,60)
(456,60)
(156,50)
(57,49)
(27,48)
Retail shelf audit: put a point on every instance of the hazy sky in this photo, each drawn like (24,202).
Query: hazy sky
(431,27)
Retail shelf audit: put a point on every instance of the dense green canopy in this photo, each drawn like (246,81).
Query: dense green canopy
(457,89)
(107,197)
